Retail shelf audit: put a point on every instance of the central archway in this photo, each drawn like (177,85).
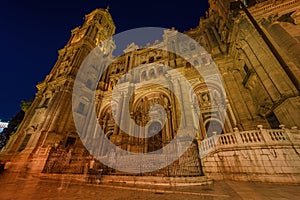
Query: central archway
(154,143)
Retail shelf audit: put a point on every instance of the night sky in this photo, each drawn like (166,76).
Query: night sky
(32,31)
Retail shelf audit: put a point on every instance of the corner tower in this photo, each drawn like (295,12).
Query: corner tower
(49,122)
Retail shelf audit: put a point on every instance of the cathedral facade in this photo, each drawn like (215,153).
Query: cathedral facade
(246,128)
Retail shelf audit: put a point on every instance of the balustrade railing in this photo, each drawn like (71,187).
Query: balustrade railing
(249,138)
(277,135)
(227,139)
(207,145)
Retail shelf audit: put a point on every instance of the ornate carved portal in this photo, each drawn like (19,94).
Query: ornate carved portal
(156,122)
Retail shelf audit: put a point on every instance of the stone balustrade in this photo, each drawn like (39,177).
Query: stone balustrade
(267,155)
(260,137)
(207,145)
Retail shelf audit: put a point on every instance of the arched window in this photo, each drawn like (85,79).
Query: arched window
(152,73)
(213,126)
(143,76)
(160,71)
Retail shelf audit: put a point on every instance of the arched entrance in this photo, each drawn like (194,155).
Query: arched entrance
(155,141)
(213,126)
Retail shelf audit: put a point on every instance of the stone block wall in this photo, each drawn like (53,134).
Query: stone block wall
(268,160)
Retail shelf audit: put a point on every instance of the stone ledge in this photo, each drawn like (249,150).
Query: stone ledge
(135,180)
(163,181)
(257,177)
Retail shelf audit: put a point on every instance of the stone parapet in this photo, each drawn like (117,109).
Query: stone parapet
(260,155)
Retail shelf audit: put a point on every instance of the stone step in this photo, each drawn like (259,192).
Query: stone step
(155,180)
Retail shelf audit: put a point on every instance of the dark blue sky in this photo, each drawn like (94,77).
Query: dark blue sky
(32,31)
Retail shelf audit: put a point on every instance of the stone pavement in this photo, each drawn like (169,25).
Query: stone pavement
(18,188)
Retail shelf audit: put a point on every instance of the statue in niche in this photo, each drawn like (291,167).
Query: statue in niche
(205,97)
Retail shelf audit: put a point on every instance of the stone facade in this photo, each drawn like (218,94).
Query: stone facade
(255,49)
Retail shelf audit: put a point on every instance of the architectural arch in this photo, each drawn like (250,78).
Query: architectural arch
(209,101)
(141,113)
(106,119)
(154,142)
(143,76)
(152,74)
(213,126)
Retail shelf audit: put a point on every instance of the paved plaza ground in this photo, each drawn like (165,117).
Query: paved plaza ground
(17,187)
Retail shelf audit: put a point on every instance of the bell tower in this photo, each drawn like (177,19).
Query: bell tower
(97,27)
(48,123)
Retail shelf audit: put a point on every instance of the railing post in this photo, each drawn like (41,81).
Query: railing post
(260,127)
(215,139)
(282,126)
(293,134)
(238,136)
(264,134)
